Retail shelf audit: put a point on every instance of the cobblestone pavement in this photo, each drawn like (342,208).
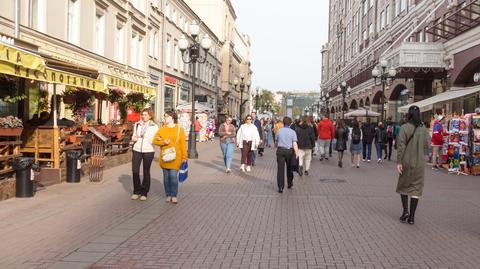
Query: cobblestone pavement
(334,218)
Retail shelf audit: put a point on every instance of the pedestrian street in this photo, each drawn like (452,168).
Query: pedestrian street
(334,218)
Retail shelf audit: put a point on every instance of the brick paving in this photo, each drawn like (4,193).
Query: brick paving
(334,218)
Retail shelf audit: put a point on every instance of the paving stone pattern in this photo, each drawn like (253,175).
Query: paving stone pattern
(334,218)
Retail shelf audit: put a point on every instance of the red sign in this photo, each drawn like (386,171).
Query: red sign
(132,115)
(170,80)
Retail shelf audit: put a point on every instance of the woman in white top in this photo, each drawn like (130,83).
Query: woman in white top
(248,140)
(143,133)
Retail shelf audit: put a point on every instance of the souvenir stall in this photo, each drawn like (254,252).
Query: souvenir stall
(203,113)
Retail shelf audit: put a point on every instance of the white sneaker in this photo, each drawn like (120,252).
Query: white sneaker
(169,199)
(249,168)
(242,168)
(174,200)
(368,161)
(135,197)
(143,198)
(379,160)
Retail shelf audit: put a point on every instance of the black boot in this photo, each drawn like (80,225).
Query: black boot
(300,171)
(405,214)
(413,207)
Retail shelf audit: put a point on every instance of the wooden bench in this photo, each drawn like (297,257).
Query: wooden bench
(43,142)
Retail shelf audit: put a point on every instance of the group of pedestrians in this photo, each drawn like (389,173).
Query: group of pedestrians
(173,152)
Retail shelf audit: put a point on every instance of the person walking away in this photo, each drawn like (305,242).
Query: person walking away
(437,142)
(257,124)
(197,127)
(326,132)
(313,124)
(278,125)
(356,144)
(368,132)
(227,142)
(380,140)
(269,134)
(306,142)
(248,139)
(413,142)
(261,146)
(341,135)
(287,148)
(390,131)
(396,131)
(173,152)
(143,151)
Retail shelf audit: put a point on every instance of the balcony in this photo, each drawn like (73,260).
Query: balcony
(417,55)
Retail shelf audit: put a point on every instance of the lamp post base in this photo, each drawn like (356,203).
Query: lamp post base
(192,146)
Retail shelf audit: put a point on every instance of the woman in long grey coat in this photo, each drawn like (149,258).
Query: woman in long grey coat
(412,143)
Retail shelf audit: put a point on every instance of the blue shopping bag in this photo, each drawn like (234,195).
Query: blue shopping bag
(183,173)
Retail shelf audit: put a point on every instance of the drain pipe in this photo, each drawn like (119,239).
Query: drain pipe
(17,18)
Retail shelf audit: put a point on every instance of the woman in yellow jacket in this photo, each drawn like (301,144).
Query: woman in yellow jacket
(168,136)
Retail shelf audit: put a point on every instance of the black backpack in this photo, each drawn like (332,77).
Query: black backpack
(356,136)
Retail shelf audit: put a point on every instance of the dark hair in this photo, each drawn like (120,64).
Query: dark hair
(340,124)
(356,128)
(287,121)
(413,115)
(305,119)
(248,116)
(173,115)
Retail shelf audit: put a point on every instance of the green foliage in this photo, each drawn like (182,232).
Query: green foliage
(82,101)
(9,92)
(136,101)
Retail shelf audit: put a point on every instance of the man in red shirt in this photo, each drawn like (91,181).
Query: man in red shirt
(437,142)
(197,127)
(326,132)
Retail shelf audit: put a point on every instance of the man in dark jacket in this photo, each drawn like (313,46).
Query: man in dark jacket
(380,140)
(257,124)
(368,132)
(306,142)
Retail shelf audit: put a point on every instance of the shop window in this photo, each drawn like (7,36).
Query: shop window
(168,98)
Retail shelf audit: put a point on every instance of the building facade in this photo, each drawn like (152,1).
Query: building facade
(425,41)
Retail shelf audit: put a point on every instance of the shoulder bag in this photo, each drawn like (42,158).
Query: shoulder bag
(170,154)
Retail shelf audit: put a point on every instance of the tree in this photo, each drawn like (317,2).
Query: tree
(264,97)
(296,111)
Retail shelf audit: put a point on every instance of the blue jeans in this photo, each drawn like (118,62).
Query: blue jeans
(367,151)
(170,182)
(379,150)
(227,150)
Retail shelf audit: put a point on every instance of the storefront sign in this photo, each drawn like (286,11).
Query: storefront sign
(476,77)
(53,76)
(171,80)
(10,54)
(128,85)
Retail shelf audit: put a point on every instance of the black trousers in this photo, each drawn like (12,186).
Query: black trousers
(141,187)
(388,148)
(284,158)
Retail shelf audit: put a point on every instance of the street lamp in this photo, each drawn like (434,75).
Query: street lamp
(191,54)
(386,76)
(242,89)
(326,101)
(345,91)
(257,97)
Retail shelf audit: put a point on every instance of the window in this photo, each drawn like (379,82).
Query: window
(387,15)
(37,15)
(119,43)
(139,53)
(403,5)
(99,33)
(365,7)
(370,30)
(151,44)
(133,49)
(175,55)
(365,35)
(73,23)
(156,46)
(174,16)
(168,60)
(371,3)
(397,7)
(382,20)
(167,10)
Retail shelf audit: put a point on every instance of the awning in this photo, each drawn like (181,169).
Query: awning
(113,81)
(20,58)
(54,76)
(453,93)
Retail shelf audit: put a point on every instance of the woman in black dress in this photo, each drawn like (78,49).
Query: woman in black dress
(341,135)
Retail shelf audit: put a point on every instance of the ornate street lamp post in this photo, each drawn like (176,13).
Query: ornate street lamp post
(326,100)
(345,91)
(191,54)
(242,89)
(386,76)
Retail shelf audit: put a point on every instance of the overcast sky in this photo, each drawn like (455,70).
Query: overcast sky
(286,37)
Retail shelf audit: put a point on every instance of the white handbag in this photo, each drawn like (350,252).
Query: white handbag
(170,154)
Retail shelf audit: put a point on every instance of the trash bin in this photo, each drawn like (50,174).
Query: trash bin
(73,167)
(23,175)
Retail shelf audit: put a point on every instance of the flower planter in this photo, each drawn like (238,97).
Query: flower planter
(11,131)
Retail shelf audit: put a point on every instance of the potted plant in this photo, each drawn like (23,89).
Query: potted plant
(10,126)
(115,95)
(82,101)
